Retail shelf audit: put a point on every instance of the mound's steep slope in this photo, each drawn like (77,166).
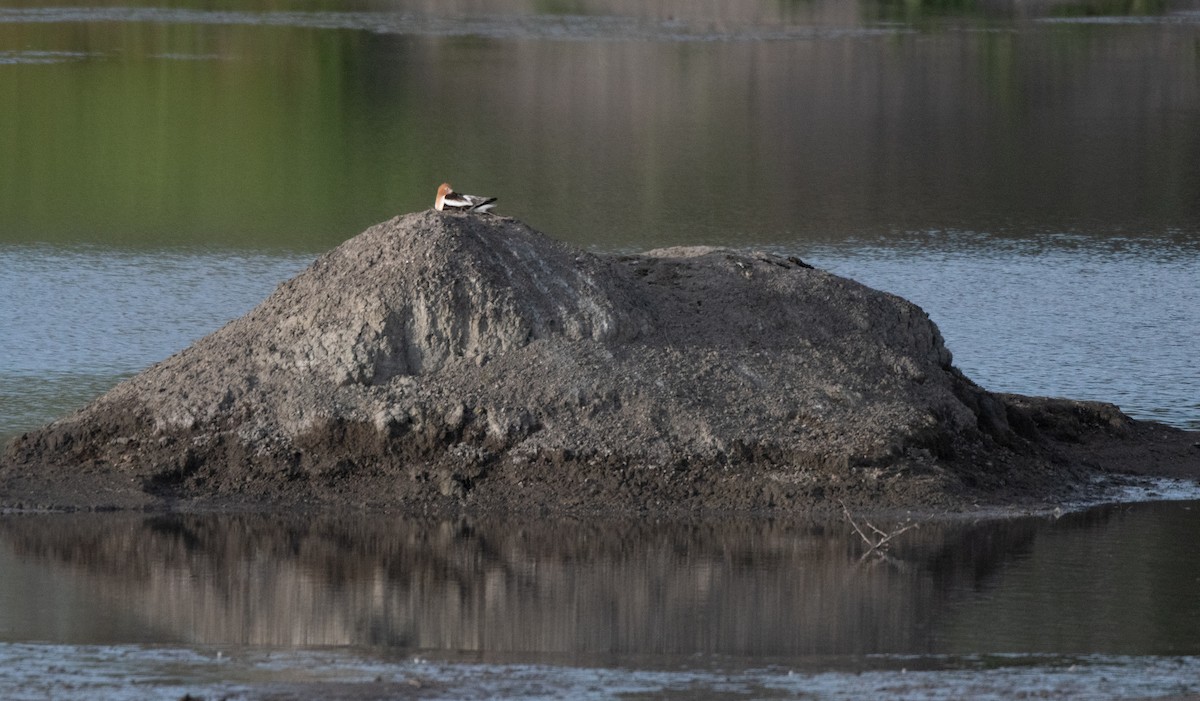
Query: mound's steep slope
(440,360)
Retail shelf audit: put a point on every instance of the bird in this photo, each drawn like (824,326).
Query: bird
(449,199)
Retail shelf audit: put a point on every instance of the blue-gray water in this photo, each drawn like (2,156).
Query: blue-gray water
(1029,173)
(80,318)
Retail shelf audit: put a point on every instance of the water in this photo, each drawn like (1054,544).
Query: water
(1099,602)
(1029,173)
(77,319)
(1029,176)
(297,123)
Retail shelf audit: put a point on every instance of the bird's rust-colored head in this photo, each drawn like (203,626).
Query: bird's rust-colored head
(443,190)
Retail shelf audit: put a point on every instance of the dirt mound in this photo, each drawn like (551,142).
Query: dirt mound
(440,361)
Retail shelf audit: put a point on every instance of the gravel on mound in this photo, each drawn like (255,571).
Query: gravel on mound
(441,361)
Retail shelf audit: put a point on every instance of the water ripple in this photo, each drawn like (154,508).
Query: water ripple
(550,27)
(41,57)
(131,672)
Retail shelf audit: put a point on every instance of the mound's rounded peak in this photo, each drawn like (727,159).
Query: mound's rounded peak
(432,241)
(407,295)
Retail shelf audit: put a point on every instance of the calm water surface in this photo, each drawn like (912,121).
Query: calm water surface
(1029,173)
(1103,601)
(1030,176)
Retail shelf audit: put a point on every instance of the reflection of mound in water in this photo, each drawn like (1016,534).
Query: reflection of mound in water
(441,360)
(740,588)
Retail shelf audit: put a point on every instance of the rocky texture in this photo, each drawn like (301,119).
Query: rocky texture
(440,361)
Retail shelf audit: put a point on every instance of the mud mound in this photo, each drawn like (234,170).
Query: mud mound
(442,360)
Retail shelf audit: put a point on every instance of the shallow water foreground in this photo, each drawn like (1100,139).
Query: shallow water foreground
(1096,604)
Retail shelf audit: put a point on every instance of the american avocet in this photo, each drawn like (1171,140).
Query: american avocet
(449,199)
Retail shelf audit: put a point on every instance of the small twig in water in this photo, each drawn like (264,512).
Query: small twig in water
(879,542)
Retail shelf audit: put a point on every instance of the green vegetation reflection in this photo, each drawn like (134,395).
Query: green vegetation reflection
(177,133)
(151,133)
